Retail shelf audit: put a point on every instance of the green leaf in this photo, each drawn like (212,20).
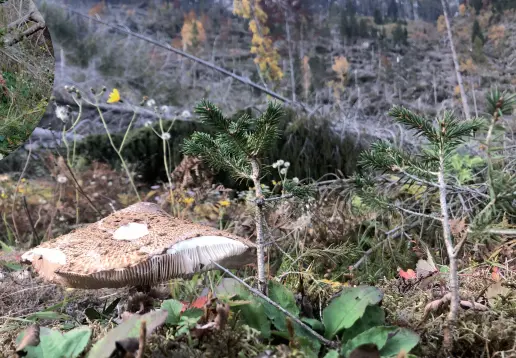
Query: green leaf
(315,324)
(405,339)
(345,310)
(194,313)
(285,298)
(72,343)
(373,316)
(127,329)
(11,266)
(332,354)
(55,344)
(107,311)
(92,314)
(48,315)
(173,307)
(254,316)
(386,339)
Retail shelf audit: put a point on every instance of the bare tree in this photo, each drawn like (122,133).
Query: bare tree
(464,99)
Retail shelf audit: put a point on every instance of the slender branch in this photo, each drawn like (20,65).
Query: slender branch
(415,212)
(448,187)
(391,234)
(463,96)
(320,338)
(30,220)
(191,57)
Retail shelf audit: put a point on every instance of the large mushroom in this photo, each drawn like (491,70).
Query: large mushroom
(140,245)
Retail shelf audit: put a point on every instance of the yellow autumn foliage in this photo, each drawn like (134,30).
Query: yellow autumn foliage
(97,9)
(496,33)
(340,67)
(462,9)
(468,66)
(192,32)
(456,91)
(441,24)
(267,57)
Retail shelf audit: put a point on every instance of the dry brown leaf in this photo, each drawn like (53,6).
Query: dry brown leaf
(31,338)
(222,315)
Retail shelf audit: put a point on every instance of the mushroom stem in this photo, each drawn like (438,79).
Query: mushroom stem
(259,218)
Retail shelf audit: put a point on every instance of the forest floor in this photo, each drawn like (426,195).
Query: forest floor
(320,273)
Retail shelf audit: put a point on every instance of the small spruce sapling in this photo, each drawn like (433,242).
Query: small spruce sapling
(237,147)
(431,167)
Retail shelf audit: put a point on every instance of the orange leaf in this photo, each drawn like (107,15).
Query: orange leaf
(199,302)
(495,274)
(407,275)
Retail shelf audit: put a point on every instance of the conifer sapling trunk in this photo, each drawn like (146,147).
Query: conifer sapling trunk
(424,169)
(236,148)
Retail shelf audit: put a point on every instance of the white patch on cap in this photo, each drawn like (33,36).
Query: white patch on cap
(131,231)
(54,256)
(203,241)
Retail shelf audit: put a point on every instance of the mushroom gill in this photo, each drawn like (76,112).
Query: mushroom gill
(139,245)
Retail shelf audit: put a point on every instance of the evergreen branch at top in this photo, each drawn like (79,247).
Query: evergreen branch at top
(266,131)
(455,131)
(211,115)
(211,151)
(500,104)
(422,125)
(384,156)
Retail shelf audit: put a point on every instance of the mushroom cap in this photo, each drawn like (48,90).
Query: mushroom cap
(138,245)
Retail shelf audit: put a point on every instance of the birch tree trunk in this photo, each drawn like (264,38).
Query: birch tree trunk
(291,60)
(456,63)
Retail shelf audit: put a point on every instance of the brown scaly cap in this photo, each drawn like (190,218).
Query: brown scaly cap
(139,245)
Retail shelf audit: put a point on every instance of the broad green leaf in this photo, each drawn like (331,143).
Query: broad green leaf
(55,344)
(92,314)
(285,298)
(345,310)
(11,266)
(72,343)
(332,354)
(389,340)
(405,339)
(195,313)
(373,316)
(254,316)
(127,329)
(173,307)
(315,324)
(309,344)
(376,335)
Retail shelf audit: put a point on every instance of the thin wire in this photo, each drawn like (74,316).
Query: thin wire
(167,47)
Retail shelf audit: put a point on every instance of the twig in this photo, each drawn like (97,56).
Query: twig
(141,343)
(320,338)
(30,219)
(78,187)
(389,236)
(191,57)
